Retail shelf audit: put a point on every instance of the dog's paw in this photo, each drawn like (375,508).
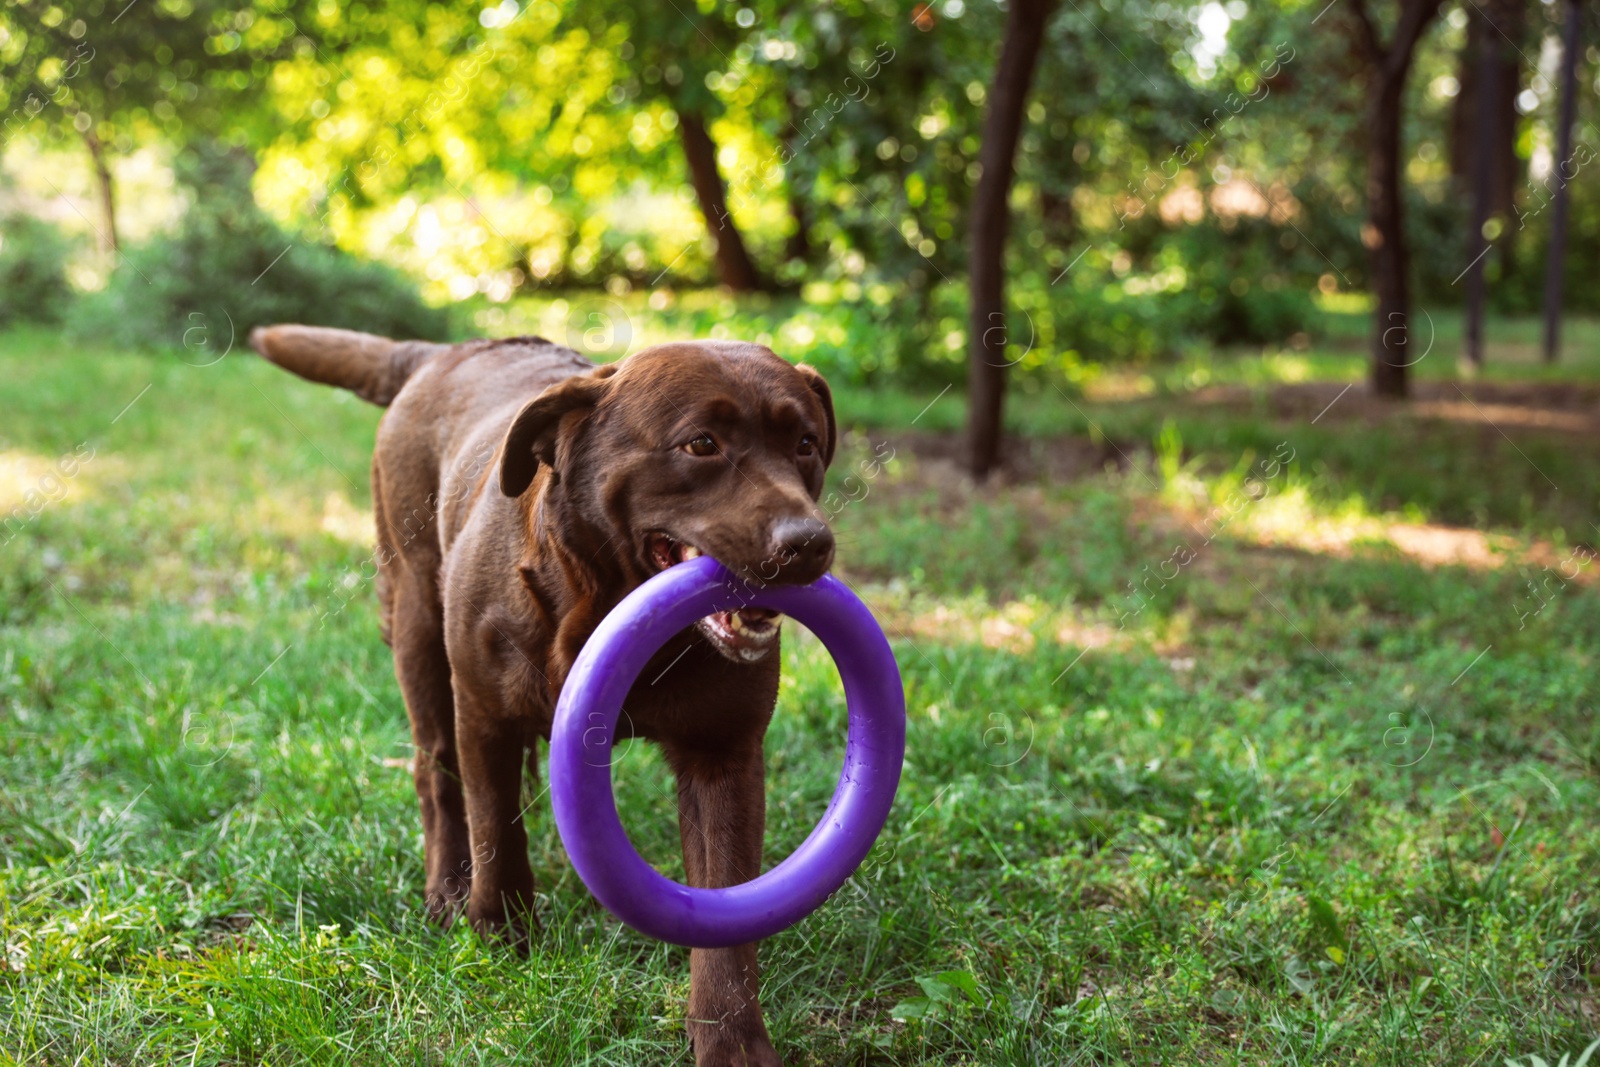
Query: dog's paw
(509,928)
(725,1046)
(446,901)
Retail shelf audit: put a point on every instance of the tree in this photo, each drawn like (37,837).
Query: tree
(497,108)
(1493,148)
(880,136)
(734,266)
(1385,237)
(674,53)
(167,66)
(1483,114)
(1558,217)
(987,230)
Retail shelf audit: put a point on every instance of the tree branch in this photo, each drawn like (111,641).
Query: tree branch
(1414,18)
(1367,33)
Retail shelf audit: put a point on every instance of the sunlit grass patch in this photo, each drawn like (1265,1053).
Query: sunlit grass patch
(29,483)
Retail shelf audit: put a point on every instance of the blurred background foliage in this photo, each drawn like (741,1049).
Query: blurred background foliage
(1189,173)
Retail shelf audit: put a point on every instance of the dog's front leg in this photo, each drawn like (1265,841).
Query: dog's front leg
(721,818)
(491,748)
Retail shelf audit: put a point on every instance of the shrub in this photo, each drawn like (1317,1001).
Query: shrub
(33,271)
(228,262)
(1243,286)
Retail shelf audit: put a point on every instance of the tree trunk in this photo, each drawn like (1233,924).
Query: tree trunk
(734,267)
(798,246)
(106,189)
(1487,62)
(1558,214)
(991,218)
(1485,145)
(1386,248)
(1465,128)
(1484,115)
(1385,236)
(1505,166)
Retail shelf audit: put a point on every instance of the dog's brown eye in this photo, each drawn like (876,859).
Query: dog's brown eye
(808,445)
(701,446)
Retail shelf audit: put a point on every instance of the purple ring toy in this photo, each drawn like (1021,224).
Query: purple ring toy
(585,724)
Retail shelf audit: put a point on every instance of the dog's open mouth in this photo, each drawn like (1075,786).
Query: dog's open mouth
(746,635)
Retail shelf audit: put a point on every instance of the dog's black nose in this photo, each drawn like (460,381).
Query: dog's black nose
(802,548)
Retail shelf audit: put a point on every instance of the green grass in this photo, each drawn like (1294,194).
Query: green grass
(1306,798)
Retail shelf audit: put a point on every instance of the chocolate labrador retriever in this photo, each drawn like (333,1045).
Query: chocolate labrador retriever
(520,492)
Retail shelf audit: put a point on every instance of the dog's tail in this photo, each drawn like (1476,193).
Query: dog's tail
(372,367)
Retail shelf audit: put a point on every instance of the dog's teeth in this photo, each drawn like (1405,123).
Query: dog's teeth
(761,630)
(690,552)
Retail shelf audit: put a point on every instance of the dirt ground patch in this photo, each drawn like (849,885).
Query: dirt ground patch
(1063,458)
(1537,407)
(1548,406)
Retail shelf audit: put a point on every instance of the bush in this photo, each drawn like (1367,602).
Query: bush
(33,271)
(1256,315)
(228,263)
(1243,285)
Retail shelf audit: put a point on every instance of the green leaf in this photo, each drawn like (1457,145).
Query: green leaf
(1324,918)
(964,981)
(915,1008)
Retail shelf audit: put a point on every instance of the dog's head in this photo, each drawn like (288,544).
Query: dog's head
(714,448)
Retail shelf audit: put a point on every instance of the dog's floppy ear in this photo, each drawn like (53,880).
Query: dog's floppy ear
(819,385)
(535,431)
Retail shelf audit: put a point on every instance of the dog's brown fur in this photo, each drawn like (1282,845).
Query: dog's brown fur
(517,488)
